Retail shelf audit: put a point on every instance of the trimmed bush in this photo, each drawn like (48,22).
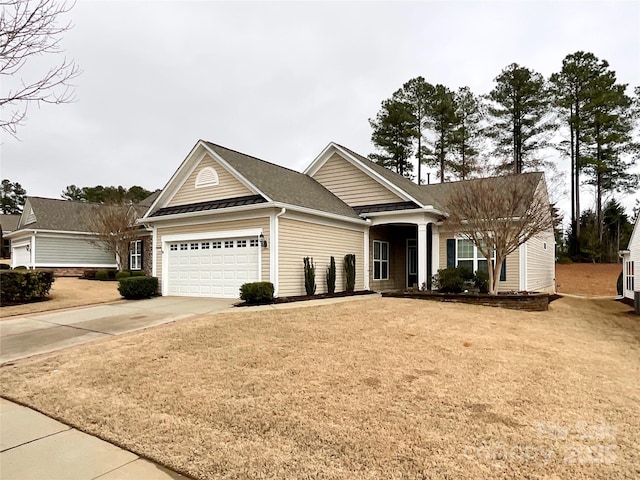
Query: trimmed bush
(5,266)
(89,274)
(481,281)
(309,276)
(136,288)
(257,292)
(449,280)
(24,286)
(121,275)
(102,275)
(138,273)
(20,267)
(619,285)
(350,272)
(331,276)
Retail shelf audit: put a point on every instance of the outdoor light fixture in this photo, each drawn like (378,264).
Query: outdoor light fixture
(263,242)
(28,248)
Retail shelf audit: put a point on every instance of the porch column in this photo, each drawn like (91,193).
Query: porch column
(435,250)
(422,254)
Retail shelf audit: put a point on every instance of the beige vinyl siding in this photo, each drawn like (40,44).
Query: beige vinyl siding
(64,250)
(228,186)
(299,239)
(262,222)
(352,185)
(541,263)
(513,263)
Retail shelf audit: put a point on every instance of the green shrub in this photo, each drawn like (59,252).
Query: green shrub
(135,288)
(138,273)
(350,272)
(309,276)
(4,266)
(257,292)
(20,267)
(331,276)
(23,286)
(481,281)
(449,280)
(121,275)
(619,285)
(102,275)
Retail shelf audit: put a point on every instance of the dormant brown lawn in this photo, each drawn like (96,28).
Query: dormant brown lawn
(374,388)
(68,292)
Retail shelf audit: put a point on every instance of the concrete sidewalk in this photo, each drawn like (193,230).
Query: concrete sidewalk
(33,446)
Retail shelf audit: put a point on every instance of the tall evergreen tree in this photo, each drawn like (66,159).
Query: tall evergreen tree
(442,122)
(417,93)
(12,197)
(519,110)
(393,135)
(469,113)
(572,90)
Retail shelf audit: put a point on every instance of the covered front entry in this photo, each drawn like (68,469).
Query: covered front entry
(398,253)
(213,267)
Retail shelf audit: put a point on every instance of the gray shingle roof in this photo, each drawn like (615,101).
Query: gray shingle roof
(283,185)
(64,215)
(9,223)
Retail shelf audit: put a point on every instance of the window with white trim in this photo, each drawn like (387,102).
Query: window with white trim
(207,177)
(469,257)
(241,243)
(253,242)
(630,276)
(228,244)
(184,246)
(194,246)
(380,260)
(205,245)
(173,247)
(216,244)
(135,255)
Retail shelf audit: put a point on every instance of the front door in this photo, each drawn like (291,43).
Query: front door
(412,262)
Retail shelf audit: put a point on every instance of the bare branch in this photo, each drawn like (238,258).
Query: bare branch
(30,28)
(499,214)
(115,228)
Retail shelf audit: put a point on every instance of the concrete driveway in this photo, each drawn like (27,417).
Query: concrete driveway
(29,335)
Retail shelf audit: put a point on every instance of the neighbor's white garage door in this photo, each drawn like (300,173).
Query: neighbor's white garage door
(20,256)
(212,268)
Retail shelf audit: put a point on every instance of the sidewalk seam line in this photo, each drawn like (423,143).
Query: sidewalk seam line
(39,438)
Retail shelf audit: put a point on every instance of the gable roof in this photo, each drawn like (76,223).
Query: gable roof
(62,215)
(9,223)
(272,182)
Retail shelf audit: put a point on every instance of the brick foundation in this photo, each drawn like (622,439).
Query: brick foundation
(533,302)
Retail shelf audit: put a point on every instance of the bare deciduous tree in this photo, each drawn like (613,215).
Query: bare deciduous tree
(115,228)
(500,214)
(28,29)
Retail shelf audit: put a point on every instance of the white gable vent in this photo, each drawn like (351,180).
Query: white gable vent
(207,177)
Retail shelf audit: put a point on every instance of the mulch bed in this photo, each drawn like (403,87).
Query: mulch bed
(303,298)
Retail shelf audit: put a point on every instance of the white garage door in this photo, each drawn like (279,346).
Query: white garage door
(20,256)
(212,268)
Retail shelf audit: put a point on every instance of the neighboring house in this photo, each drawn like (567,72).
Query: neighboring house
(226,218)
(56,234)
(8,224)
(630,262)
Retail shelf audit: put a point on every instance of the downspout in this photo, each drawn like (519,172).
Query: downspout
(275,248)
(32,250)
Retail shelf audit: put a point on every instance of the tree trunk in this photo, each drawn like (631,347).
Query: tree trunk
(574,242)
(577,183)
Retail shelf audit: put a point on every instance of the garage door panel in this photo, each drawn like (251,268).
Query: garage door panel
(215,268)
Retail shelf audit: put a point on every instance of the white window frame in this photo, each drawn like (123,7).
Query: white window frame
(135,255)
(380,261)
(630,280)
(477,256)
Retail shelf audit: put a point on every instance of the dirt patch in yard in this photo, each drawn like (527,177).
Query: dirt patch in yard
(375,388)
(594,279)
(68,292)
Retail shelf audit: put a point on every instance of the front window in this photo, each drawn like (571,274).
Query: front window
(469,256)
(630,276)
(135,255)
(380,260)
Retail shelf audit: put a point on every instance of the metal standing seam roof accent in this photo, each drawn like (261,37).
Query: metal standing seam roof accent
(385,207)
(209,205)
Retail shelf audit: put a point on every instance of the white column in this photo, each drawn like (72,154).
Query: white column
(366,259)
(435,249)
(32,251)
(422,254)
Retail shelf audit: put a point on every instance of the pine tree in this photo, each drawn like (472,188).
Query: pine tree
(417,93)
(466,138)
(393,135)
(442,122)
(519,110)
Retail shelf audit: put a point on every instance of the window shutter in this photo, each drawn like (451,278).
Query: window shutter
(141,254)
(503,271)
(451,252)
